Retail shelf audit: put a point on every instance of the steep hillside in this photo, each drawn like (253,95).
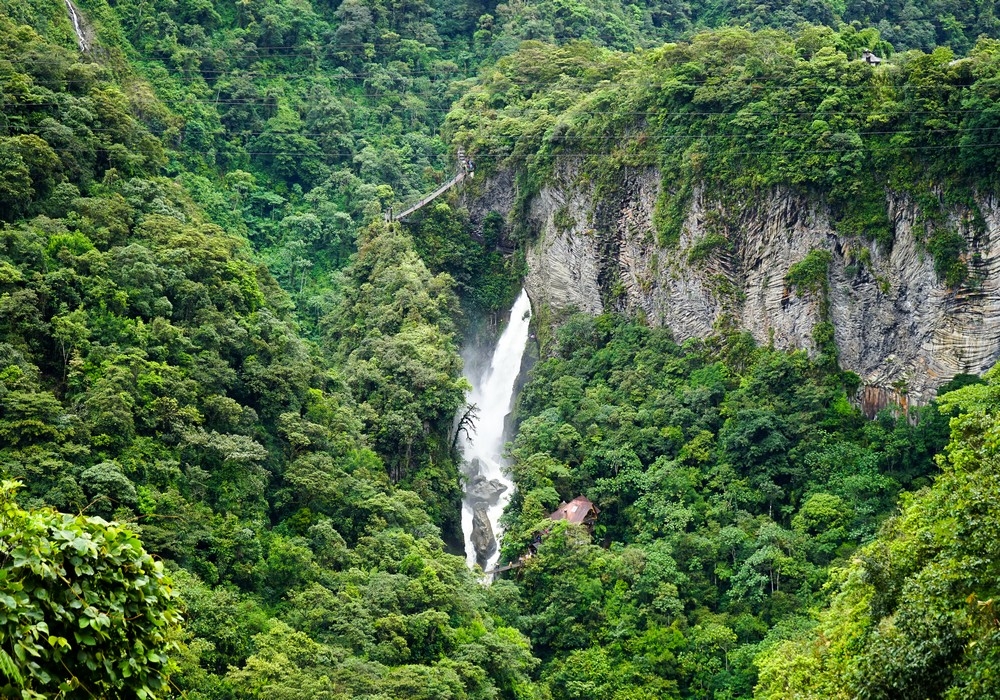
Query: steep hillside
(767,182)
(152,372)
(914,613)
(729,479)
(746,195)
(210,336)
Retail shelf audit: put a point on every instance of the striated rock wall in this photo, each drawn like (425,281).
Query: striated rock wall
(900,328)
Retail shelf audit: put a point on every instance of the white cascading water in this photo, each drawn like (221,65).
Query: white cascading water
(75,19)
(493,392)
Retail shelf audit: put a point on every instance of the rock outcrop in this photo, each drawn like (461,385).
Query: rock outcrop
(480,494)
(898,326)
(483,539)
(483,490)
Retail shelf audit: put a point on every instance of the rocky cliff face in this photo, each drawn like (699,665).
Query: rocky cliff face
(900,328)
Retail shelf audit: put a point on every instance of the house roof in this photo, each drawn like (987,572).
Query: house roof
(576,511)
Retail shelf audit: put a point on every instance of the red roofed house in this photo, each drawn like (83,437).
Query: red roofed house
(579,511)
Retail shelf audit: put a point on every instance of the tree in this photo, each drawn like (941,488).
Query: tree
(15,182)
(914,614)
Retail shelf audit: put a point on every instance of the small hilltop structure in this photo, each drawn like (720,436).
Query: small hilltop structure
(580,511)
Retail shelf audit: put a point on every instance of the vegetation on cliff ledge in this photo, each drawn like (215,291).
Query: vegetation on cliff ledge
(738,114)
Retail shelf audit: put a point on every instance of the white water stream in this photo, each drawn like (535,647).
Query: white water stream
(493,392)
(75,18)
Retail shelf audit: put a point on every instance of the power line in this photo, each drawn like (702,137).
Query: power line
(433,77)
(245,49)
(568,113)
(489,73)
(588,154)
(745,109)
(249,73)
(264,102)
(567,139)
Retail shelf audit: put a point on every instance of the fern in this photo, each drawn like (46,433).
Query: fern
(9,670)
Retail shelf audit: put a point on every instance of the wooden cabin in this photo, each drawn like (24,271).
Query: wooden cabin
(579,511)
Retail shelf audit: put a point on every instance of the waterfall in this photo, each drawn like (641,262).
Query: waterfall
(77,25)
(488,487)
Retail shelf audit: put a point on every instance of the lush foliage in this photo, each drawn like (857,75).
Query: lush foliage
(151,371)
(741,114)
(85,609)
(907,25)
(729,479)
(486,276)
(209,336)
(914,613)
(291,125)
(809,275)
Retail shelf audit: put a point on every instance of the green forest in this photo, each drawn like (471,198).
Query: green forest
(229,466)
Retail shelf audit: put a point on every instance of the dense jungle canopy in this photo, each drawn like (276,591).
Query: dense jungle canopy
(228,387)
